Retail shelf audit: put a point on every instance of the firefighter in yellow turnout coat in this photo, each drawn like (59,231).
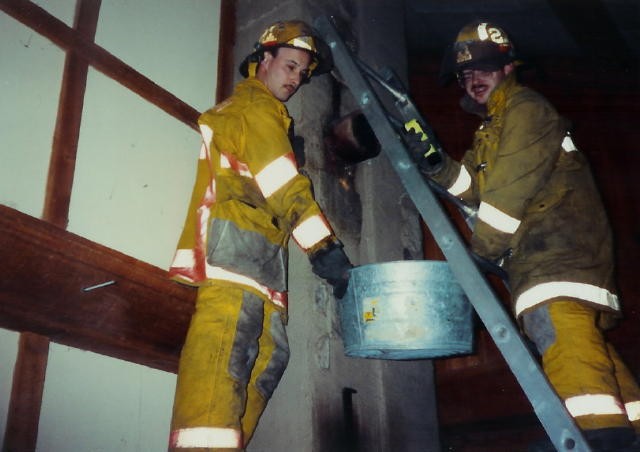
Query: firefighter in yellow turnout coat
(248,200)
(540,213)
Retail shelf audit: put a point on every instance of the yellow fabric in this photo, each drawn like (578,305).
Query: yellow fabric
(256,402)
(203,175)
(629,389)
(253,128)
(517,165)
(580,362)
(206,393)
(250,128)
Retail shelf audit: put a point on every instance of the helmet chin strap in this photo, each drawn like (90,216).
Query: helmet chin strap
(252,69)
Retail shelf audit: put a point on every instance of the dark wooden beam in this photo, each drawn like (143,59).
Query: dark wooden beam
(21,431)
(67,131)
(227,41)
(67,38)
(47,273)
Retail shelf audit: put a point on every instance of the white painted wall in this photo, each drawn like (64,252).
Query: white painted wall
(95,403)
(134,174)
(30,74)
(8,352)
(135,164)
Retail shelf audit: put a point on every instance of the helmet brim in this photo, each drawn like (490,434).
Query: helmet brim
(483,56)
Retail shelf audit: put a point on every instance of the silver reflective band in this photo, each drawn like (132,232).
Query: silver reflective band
(497,219)
(207,134)
(462,183)
(275,175)
(633,410)
(546,291)
(185,258)
(239,167)
(206,437)
(310,232)
(568,145)
(589,404)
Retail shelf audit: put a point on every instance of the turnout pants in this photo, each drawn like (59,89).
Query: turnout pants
(584,369)
(234,355)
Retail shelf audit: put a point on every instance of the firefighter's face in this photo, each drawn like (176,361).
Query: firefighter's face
(283,73)
(480,84)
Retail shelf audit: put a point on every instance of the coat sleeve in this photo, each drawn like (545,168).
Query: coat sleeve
(528,147)
(459,178)
(288,194)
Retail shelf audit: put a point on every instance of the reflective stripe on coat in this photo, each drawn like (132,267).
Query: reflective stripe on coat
(248,198)
(537,197)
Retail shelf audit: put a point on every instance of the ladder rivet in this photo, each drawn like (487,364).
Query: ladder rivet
(501,332)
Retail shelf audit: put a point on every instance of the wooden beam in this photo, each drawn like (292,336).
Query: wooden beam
(47,275)
(21,431)
(67,38)
(227,41)
(67,131)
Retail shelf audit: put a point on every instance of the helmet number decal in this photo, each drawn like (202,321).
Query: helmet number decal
(486,31)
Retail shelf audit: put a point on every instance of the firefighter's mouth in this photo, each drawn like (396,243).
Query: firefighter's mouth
(479,90)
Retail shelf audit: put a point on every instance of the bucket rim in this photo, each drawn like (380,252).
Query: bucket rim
(401,263)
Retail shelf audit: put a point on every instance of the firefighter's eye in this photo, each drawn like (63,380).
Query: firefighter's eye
(465,75)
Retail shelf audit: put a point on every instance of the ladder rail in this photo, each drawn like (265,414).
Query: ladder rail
(550,410)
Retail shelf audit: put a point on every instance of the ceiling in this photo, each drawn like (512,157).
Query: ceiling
(605,31)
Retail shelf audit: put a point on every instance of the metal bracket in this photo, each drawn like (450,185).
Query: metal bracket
(551,412)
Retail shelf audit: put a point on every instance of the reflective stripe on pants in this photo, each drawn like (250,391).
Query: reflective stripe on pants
(234,355)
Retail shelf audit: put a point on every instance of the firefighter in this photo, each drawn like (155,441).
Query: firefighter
(541,216)
(249,198)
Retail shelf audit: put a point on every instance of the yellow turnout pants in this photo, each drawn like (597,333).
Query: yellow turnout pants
(584,369)
(234,355)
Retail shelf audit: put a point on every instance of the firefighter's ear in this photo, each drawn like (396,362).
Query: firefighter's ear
(509,68)
(265,62)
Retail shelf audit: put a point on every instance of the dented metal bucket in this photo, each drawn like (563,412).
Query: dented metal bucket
(405,310)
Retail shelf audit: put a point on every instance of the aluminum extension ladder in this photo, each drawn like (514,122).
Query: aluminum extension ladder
(556,420)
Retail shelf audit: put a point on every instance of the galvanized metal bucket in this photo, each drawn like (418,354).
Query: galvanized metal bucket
(405,310)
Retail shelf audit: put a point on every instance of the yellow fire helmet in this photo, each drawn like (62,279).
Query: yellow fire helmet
(479,45)
(295,34)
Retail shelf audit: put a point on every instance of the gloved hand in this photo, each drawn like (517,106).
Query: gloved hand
(423,152)
(332,264)
(490,266)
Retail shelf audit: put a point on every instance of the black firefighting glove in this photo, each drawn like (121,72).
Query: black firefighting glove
(332,264)
(490,266)
(429,159)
